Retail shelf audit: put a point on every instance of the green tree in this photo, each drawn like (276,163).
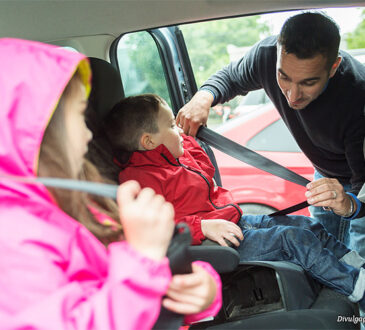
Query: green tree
(207,42)
(140,65)
(356,39)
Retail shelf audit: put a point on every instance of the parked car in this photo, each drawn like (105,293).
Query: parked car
(256,191)
(252,101)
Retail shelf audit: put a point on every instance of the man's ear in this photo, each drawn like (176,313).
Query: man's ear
(335,66)
(146,142)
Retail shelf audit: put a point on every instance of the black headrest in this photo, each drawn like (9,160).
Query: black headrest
(106,91)
(107,88)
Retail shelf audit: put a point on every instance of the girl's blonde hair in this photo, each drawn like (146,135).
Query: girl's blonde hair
(54,161)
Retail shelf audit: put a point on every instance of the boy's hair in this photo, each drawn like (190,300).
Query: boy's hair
(54,161)
(309,34)
(129,119)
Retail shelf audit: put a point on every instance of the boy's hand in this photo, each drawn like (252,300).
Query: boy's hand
(190,293)
(218,229)
(147,219)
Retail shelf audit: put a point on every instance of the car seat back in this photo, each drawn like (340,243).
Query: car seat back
(107,90)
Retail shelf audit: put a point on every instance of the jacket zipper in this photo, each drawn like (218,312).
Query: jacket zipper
(206,181)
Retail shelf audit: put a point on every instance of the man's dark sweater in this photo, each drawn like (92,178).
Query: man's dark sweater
(330,130)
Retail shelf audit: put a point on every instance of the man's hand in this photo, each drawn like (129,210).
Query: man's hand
(218,229)
(329,193)
(195,113)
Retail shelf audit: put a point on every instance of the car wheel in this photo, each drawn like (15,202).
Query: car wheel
(256,209)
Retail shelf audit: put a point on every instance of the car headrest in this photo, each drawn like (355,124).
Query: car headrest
(106,91)
(107,87)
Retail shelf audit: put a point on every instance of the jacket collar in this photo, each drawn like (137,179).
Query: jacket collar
(159,156)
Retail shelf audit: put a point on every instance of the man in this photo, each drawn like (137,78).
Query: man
(320,94)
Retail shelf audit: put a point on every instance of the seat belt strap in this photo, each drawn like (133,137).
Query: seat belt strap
(102,189)
(290,209)
(252,158)
(94,188)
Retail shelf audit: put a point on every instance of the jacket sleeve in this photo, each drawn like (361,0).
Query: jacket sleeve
(216,305)
(354,142)
(128,298)
(237,78)
(194,223)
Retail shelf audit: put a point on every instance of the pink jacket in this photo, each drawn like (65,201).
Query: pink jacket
(54,274)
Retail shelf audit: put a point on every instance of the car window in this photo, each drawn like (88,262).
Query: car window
(275,137)
(255,98)
(140,65)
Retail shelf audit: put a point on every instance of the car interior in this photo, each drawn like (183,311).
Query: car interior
(256,295)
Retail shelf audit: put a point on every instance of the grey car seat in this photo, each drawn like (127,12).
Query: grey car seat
(256,295)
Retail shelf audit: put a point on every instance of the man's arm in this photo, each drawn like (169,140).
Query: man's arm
(237,78)
(355,159)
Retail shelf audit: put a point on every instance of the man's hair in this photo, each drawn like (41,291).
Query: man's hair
(129,119)
(309,34)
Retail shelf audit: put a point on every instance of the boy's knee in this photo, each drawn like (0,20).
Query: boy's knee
(300,236)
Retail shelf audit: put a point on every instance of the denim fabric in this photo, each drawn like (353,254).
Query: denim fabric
(352,232)
(297,239)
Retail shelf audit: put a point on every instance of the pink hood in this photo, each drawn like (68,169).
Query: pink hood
(33,77)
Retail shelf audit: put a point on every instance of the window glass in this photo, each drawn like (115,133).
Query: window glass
(140,65)
(254,98)
(275,137)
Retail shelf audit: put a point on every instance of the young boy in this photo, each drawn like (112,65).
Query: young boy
(175,166)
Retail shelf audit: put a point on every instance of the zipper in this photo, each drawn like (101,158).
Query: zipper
(206,181)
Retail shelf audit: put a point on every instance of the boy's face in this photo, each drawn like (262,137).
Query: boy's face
(169,134)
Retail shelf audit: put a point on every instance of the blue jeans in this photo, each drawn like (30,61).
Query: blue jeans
(299,240)
(352,233)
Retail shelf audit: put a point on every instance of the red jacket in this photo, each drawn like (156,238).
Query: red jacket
(186,182)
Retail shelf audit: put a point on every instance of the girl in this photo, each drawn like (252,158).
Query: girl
(55,272)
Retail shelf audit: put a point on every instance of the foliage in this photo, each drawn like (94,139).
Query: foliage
(140,66)
(356,38)
(207,42)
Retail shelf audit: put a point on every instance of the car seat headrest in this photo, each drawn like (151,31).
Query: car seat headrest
(107,87)
(106,91)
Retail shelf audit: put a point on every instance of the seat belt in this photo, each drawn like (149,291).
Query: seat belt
(94,188)
(251,157)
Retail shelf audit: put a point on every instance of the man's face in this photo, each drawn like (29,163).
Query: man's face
(302,80)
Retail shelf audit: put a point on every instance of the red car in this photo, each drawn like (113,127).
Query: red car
(256,191)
